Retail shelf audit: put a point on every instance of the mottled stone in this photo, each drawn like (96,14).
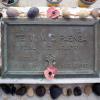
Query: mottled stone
(66,13)
(11,12)
(69,92)
(96,89)
(83,13)
(77,91)
(95,13)
(55,91)
(88,90)
(30,92)
(40,91)
(6,89)
(33,12)
(21,91)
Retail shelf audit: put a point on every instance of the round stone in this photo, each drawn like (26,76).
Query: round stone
(83,13)
(33,12)
(21,91)
(55,91)
(30,92)
(96,89)
(66,13)
(40,91)
(69,92)
(77,91)
(95,13)
(11,12)
(88,90)
(6,89)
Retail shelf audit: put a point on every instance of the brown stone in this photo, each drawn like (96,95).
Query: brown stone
(95,13)
(40,91)
(66,13)
(83,13)
(69,92)
(88,90)
(30,92)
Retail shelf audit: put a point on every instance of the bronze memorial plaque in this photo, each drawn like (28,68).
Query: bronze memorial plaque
(28,44)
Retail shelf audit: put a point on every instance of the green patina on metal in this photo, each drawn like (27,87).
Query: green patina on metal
(30,45)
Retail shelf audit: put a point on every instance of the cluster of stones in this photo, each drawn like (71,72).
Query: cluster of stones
(54,90)
(54,13)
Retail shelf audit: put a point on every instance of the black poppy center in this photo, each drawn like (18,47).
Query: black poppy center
(50,73)
(54,12)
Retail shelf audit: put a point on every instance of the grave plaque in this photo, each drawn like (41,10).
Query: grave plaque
(73,45)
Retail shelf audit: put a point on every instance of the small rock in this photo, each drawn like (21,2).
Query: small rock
(40,91)
(69,92)
(95,13)
(21,91)
(55,91)
(11,12)
(66,13)
(6,89)
(96,89)
(83,13)
(77,91)
(33,12)
(87,90)
(30,92)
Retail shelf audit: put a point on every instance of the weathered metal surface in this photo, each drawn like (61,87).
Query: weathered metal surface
(28,45)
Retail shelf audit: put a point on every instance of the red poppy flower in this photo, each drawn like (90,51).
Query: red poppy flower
(50,72)
(53,13)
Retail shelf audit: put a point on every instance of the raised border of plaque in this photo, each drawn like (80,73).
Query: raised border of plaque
(79,43)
